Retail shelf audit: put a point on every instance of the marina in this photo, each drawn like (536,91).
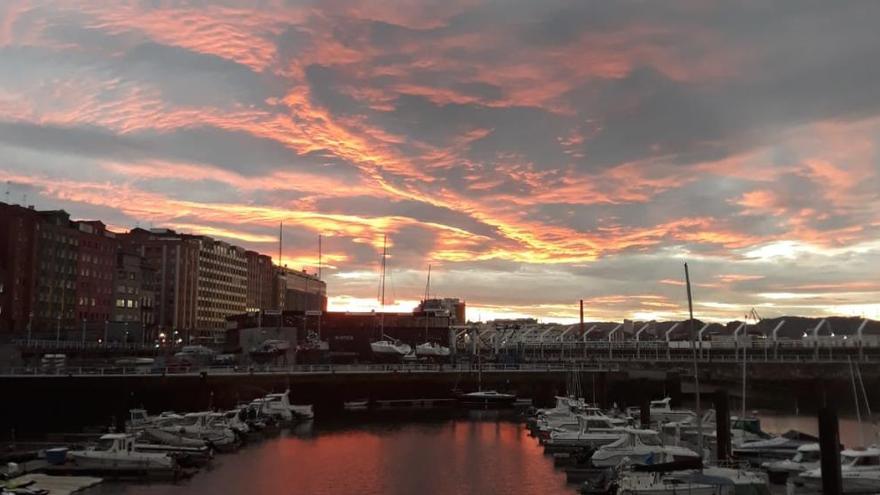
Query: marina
(605,452)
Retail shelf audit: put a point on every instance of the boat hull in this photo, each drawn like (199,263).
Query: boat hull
(480,401)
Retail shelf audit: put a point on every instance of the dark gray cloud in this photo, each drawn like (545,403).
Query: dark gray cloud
(580,149)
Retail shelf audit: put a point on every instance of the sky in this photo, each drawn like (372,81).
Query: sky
(533,153)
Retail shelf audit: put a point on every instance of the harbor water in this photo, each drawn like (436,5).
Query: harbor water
(426,453)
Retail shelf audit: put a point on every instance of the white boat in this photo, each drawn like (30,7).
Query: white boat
(771,448)
(432,350)
(711,481)
(640,447)
(807,458)
(390,349)
(662,412)
(279,405)
(116,453)
(203,426)
(859,471)
(594,431)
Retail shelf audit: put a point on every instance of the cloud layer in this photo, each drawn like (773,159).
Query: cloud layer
(533,153)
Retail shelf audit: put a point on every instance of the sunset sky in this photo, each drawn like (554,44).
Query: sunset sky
(534,152)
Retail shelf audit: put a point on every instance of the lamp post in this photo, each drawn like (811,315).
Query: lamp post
(106,331)
(84,333)
(30,325)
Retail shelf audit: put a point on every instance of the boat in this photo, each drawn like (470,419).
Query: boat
(427,349)
(708,481)
(432,350)
(594,431)
(356,405)
(487,399)
(662,412)
(116,453)
(390,349)
(639,447)
(269,349)
(859,471)
(282,401)
(774,448)
(807,458)
(184,456)
(203,426)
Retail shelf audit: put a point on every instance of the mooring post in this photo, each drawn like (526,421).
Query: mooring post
(645,412)
(722,422)
(829,446)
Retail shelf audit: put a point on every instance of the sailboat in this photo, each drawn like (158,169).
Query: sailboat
(485,399)
(387,348)
(428,349)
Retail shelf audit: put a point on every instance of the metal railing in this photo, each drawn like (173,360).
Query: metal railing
(313,369)
(52,344)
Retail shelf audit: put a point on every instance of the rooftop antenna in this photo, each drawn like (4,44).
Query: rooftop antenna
(687,278)
(280,242)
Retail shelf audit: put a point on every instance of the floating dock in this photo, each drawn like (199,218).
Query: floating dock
(55,485)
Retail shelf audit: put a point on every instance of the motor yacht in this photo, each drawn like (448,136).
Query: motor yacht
(662,412)
(772,448)
(116,452)
(805,459)
(594,432)
(639,447)
(859,471)
(708,481)
(202,426)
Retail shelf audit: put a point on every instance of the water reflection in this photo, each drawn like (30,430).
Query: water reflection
(389,454)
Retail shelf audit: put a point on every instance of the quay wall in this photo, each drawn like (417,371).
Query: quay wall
(66,403)
(46,404)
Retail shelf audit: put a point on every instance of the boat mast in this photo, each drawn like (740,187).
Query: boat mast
(745,350)
(321,308)
(382,287)
(687,278)
(425,302)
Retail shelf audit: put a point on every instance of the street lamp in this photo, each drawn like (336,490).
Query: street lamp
(106,330)
(30,325)
(84,333)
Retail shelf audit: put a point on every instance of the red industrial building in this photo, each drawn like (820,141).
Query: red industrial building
(95,270)
(18,268)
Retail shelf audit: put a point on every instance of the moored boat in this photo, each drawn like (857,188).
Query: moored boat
(639,447)
(116,453)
